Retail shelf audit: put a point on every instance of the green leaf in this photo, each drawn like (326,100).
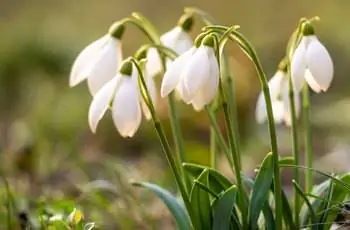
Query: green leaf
(176,209)
(268,214)
(339,195)
(217,182)
(335,180)
(201,203)
(326,205)
(260,190)
(222,209)
(268,217)
(287,212)
(319,191)
(286,161)
(193,169)
(307,202)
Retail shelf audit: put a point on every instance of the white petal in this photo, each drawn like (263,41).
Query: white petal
(82,62)
(183,92)
(298,65)
(278,111)
(172,75)
(207,93)
(153,64)
(106,65)
(319,63)
(101,101)
(177,39)
(151,86)
(197,72)
(312,82)
(126,111)
(260,110)
(286,102)
(275,84)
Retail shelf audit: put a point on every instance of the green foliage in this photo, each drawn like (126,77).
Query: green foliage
(172,203)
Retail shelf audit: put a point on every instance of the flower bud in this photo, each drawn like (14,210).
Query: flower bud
(186,22)
(117,30)
(126,68)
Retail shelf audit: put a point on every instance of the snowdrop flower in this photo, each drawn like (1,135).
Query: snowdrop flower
(312,62)
(176,39)
(99,61)
(195,75)
(278,86)
(122,95)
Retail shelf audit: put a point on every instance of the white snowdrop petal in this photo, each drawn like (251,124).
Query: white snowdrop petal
(126,111)
(260,110)
(311,81)
(198,70)
(183,43)
(101,101)
(154,63)
(275,84)
(206,94)
(151,86)
(319,63)
(105,66)
(85,57)
(170,38)
(183,92)
(172,75)
(286,102)
(278,111)
(298,65)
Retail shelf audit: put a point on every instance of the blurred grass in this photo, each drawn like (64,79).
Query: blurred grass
(47,150)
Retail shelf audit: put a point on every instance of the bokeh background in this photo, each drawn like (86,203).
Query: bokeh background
(50,156)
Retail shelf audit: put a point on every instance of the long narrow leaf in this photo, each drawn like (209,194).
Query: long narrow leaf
(176,209)
(307,202)
(200,202)
(260,190)
(222,209)
(336,180)
(338,197)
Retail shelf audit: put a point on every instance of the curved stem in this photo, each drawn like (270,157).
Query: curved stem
(149,30)
(164,142)
(249,49)
(232,139)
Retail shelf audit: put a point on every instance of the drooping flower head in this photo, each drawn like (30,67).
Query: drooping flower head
(99,61)
(311,62)
(121,94)
(177,39)
(278,86)
(195,75)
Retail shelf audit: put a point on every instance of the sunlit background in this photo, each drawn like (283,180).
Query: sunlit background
(48,152)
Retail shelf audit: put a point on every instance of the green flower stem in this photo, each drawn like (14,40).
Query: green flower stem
(308,138)
(219,137)
(164,142)
(250,51)
(213,146)
(295,141)
(150,31)
(178,140)
(231,99)
(231,138)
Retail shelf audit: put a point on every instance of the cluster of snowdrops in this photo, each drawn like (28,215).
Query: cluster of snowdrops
(197,73)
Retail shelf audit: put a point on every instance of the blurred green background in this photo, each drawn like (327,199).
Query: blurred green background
(47,150)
